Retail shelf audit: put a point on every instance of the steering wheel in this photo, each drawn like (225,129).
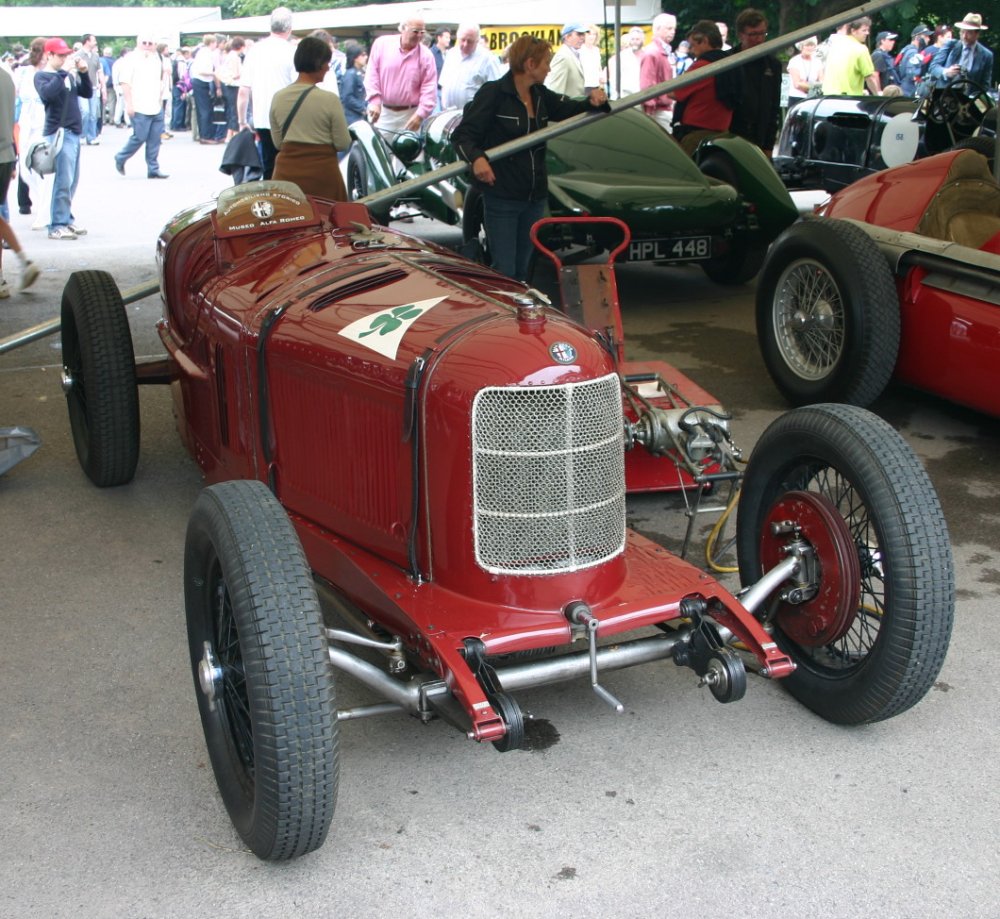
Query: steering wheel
(961,104)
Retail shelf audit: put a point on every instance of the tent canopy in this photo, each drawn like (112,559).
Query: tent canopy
(170,23)
(356,20)
(73,22)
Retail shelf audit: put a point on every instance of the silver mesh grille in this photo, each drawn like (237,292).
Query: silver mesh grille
(548,474)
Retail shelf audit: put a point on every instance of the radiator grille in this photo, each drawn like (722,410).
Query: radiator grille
(548,476)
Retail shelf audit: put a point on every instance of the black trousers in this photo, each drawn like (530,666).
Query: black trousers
(268,152)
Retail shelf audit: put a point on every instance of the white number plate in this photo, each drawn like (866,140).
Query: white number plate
(677,249)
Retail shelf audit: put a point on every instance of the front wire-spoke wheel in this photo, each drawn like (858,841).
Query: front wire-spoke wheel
(261,669)
(869,632)
(99,378)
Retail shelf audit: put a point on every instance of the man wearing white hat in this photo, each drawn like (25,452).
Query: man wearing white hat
(968,58)
(565,69)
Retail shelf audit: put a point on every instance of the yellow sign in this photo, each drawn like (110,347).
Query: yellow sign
(499,37)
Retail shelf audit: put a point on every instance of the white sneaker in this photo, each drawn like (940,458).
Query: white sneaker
(29,274)
(80,231)
(4,289)
(62,233)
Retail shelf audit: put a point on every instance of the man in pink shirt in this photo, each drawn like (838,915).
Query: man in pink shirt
(401,81)
(654,67)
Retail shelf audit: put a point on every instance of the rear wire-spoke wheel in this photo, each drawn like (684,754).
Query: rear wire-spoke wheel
(809,320)
(261,670)
(357,173)
(888,556)
(99,378)
(827,314)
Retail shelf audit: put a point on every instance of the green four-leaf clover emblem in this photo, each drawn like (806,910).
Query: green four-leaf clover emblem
(388,322)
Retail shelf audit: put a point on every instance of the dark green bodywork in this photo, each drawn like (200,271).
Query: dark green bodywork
(625,166)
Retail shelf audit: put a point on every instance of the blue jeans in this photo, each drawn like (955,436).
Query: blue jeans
(204,100)
(65,180)
(230,93)
(508,225)
(90,113)
(268,152)
(178,118)
(146,129)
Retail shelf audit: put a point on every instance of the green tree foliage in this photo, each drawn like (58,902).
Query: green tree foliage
(264,7)
(785,15)
(111,3)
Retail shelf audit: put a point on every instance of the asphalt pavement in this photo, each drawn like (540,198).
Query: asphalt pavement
(680,807)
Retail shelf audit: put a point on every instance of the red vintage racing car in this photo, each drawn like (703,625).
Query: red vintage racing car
(898,278)
(445,458)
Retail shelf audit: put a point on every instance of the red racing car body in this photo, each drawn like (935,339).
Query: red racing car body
(898,277)
(446,459)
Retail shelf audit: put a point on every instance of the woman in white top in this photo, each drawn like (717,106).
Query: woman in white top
(229,77)
(31,124)
(805,69)
(590,59)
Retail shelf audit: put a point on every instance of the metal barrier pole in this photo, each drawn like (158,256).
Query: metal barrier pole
(570,124)
(44,329)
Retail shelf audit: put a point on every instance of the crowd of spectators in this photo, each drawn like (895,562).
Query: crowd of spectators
(223,86)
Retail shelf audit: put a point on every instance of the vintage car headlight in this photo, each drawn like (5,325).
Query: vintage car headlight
(406,146)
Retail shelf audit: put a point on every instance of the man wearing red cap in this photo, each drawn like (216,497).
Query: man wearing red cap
(60,90)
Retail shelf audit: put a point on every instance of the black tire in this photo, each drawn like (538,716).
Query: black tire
(474,244)
(99,378)
(257,644)
(827,314)
(357,173)
(747,250)
(893,643)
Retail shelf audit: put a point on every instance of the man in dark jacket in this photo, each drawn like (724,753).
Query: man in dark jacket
(882,58)
(60,91)
(910,62)
(757,116)
(967,59)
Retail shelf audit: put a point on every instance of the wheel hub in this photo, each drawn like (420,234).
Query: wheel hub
(209,675)
(821,316)
(66,381)
(821,612)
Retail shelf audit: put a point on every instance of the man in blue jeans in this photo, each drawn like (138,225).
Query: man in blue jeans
(142,83)
(60,91)
(90,109)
